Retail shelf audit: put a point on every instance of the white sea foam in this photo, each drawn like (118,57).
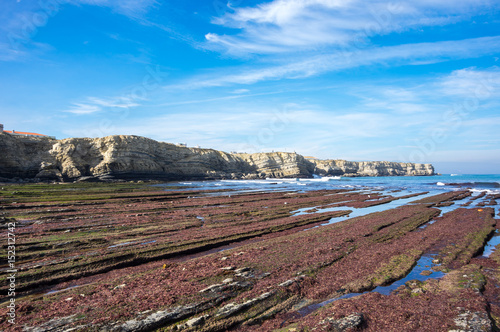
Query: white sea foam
(441,184)
(283,179)
(488,191)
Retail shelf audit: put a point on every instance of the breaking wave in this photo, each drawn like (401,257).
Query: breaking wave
(475,185)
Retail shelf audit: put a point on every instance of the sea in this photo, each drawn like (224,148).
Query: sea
(386,185)
(490,183)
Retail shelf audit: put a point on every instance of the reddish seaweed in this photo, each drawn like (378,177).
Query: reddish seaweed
(140,253)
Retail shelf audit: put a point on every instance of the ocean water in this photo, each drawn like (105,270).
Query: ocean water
(407,184)
(389,185)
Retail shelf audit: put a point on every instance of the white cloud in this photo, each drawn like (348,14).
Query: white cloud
(406,54)
(116,102)
(393,98)
(399,94)
(398,108)
(7,53)
(301,25)
(469,87)
(483,122)
(240,91)
(131,8)
(94,105)
(78,108)
(472,83)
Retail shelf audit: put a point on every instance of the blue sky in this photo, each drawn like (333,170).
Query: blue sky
(411,81)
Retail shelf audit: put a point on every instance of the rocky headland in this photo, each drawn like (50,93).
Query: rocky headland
(133,157)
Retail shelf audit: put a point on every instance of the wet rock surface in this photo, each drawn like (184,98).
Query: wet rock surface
(473,322)
(55,324)
(342,324)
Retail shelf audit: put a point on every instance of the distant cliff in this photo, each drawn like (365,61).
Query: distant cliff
(133,157)
(370,168)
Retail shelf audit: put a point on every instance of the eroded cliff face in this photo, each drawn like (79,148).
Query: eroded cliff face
(278,164)
(138,157)
(133,157)
(23,156)
(370,168)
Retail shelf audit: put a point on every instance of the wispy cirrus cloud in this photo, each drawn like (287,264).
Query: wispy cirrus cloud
(472,82)
(233,96)
(7,53)
(480,87)
(95,105)
(301,25)
(130,8)
(399,55)
(122,102)
(79,108)
(240,91)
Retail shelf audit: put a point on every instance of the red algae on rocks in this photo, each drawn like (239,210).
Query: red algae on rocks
(148,260)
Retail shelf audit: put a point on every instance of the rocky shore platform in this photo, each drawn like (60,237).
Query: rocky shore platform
(132,257)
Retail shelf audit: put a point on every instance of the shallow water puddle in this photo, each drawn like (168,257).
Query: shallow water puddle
(315,209)
(122,244)
(423,264)
(202,219)
(490,246)
(427,224)
(359,212)
(130,243)
(64,289)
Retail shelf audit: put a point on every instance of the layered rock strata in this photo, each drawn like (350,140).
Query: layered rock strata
(370,168)
(134,157)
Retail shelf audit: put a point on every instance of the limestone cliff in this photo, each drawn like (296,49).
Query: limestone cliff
(133,157)
(370,168)
(22,156)
(278,164)
(139,157)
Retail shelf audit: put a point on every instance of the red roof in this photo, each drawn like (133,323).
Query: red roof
(23,133)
